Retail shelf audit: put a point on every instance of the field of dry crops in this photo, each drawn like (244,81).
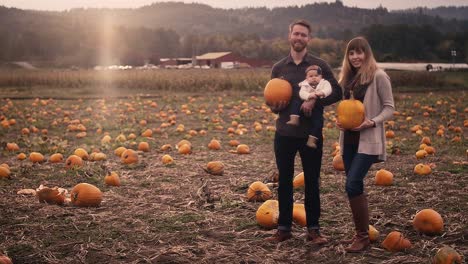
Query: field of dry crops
(180,213)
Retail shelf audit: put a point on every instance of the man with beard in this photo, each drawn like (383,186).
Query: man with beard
(292,139)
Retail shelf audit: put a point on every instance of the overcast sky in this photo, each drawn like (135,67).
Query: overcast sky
(67,4)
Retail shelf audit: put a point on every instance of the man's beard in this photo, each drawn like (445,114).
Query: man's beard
(298,48)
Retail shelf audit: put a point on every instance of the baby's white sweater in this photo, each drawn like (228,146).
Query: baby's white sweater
(306,89)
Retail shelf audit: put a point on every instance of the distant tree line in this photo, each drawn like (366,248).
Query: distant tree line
(89,37)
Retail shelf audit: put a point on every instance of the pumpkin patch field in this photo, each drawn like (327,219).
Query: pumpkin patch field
(179,177)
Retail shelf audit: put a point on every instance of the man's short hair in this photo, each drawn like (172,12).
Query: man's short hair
(301,22)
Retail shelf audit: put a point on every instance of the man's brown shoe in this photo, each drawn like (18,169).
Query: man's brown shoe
(315,238)
(279,236)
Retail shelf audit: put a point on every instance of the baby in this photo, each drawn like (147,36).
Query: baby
(312,87)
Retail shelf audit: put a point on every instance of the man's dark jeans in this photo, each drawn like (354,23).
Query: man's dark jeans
(285,153)
(356,167)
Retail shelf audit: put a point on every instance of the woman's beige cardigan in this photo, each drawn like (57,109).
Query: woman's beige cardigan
(379,107)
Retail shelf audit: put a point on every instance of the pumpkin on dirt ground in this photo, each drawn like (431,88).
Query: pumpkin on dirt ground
(73,161)
(129,156)
(258,192)
(373,233)
(242,149)
(118,151)
(299,214)
(5,260)
(447,255)
(429,222)
(214,144)
(267,214)
(112,179)
(298,181)
(50,196)
(82,153)
(144,146)
(215,168)
(338,163)
(21,156)
(4,171)
(383,178)
(86,195)
(395,241)
(277,90)
(167,159)
(422,169)
(36,157)
(56,158)
(12,147)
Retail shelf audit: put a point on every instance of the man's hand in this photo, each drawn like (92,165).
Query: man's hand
(312,96)
(307,107)
(278,106)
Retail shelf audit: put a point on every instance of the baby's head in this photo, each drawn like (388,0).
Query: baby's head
(313,74)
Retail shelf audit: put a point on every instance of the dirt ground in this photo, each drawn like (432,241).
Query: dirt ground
(181,214)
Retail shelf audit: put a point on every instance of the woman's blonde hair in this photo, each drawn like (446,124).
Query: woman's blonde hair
(366,72)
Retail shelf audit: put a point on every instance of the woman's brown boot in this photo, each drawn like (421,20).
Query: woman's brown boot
(360,212)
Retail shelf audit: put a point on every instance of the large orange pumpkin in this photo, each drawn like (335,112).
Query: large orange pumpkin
(214,144)
(447,255)
(242,149)
(118,151)
(112,179)
(428,222)
(258,192)
(144,146)
(422,169)
(298,180)
(268,213)
(167,159)
(85,194)
(338,163)
(350,113)
(299,215)
(277,90)
(215,168)
(36,157)
(4,172)
(395,241)
(373,233)
(73,161)
(56,158)
(12,147)
(129,156)
(383,178)
(5,260)
(82,153)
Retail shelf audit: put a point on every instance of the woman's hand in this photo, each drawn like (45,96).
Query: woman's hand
(278,106)
(367,123)
(338,125)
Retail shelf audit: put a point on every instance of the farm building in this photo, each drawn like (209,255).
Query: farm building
(168,62)
(225,60)
(229,60)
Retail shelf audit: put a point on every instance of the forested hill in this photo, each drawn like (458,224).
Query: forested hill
(330,20)
(446,12)
(131,36)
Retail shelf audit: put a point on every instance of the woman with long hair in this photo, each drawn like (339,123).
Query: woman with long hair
(365,144)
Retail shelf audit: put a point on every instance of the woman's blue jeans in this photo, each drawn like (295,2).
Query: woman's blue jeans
(356,167)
